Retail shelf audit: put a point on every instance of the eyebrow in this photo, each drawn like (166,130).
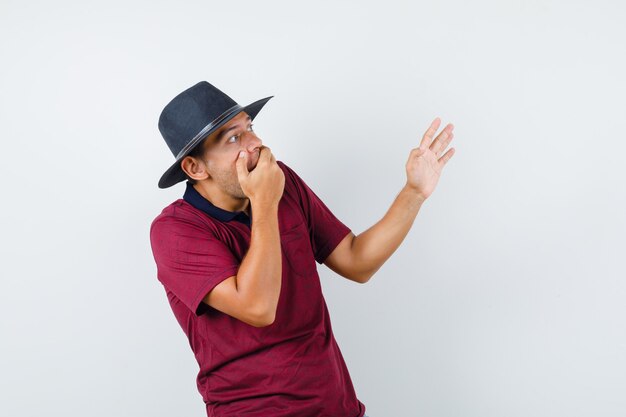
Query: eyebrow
(223,133)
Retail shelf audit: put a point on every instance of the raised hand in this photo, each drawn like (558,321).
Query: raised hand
(425,164)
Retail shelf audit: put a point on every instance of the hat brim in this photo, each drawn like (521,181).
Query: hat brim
(175,174)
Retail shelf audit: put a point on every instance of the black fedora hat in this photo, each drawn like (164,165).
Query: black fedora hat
(193,115)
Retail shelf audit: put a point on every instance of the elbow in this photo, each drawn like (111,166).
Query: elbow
(262,318)
(364,277)
(265,321)
(359,278)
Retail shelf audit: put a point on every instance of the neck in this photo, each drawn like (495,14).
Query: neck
(222,200)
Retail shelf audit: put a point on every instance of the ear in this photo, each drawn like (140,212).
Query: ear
(194,168)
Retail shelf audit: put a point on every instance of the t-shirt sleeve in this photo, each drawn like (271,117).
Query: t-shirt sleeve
(190,260)
(326,231)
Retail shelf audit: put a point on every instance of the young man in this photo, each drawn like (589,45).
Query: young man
(236,256)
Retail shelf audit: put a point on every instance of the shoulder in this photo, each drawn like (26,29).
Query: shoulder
(181,216)
(292,179)
(286,169)
(294,185)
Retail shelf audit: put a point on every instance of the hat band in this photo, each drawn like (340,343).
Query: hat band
(193,142)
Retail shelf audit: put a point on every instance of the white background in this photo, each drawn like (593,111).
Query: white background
(507,298)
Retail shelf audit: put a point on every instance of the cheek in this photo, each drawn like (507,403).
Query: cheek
(224,162)
(233,159)
(210,164)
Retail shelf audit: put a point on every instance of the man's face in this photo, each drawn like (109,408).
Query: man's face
(221,151)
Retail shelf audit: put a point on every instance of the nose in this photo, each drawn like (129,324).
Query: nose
(251,142)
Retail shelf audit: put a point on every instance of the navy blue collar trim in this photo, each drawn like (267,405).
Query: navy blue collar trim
(193,197)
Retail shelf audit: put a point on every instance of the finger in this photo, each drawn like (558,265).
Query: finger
(446,157)
(242,166)
(417,152)
(428,136)
(265,154)
(442,144)
(442,140)
(269,152)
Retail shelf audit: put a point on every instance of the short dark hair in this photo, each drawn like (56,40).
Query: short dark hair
(196,152)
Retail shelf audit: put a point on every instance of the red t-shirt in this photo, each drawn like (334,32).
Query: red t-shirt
(292,367)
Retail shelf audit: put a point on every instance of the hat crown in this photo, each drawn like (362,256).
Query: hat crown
(191,111)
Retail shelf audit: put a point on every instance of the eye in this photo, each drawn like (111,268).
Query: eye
(237,136)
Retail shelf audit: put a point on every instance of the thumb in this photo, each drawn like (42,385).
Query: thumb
(242,166)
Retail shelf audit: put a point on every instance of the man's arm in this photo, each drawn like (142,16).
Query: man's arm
(359,257)
(252,294)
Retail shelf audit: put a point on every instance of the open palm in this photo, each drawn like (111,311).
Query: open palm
(424,166)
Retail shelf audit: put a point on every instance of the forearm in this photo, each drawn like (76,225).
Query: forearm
(260,274)
(373,247)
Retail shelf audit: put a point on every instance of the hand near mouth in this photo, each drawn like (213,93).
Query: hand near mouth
(264,183)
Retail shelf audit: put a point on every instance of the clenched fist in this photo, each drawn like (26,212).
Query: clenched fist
(263,185)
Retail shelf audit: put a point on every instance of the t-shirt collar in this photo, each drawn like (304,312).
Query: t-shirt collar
(193,197)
